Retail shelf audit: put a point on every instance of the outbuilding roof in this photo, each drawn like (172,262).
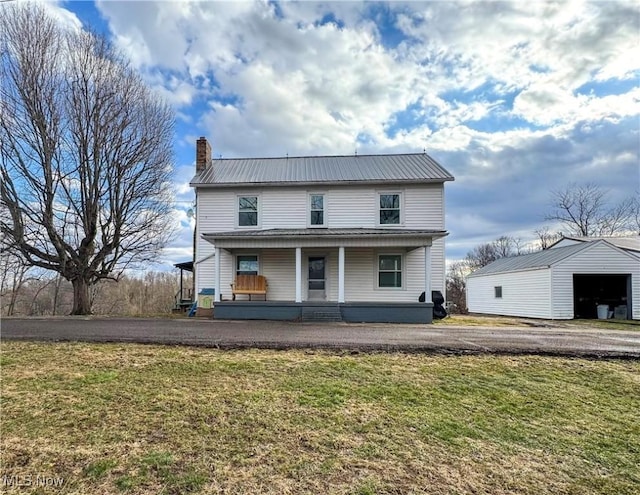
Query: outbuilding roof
(630,243)
(398,168)
(541,259)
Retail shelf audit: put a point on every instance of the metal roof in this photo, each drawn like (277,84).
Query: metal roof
(185,265)
(630,243)
(417,167)
(293,233)
(541,259)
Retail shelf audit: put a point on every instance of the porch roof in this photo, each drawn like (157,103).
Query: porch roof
(320,237)
(185,265)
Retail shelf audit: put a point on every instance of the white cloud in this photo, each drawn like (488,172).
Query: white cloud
(60,14)
(306,86)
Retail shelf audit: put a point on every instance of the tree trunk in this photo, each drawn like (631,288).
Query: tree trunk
(81,299)
(18,280)
(56,293)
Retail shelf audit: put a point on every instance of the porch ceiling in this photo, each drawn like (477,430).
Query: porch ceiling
(291,238)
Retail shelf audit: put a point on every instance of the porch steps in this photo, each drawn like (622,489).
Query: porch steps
(193,309)
(321,313)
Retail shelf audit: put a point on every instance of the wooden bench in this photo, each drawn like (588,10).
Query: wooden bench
(249,285)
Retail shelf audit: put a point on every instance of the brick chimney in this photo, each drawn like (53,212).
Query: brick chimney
(203,154)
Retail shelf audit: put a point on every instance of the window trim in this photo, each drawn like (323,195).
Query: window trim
(403,271)
(235,262)
(258,211)
(497,291)
(324,210)
(400,195)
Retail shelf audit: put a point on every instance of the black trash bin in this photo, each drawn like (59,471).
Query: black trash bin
(438,300)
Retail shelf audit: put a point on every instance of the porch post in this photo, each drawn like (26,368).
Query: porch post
(216,276)
(298,275)
(341,274)
(427,274)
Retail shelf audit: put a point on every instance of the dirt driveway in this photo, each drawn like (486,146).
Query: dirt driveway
(447,337)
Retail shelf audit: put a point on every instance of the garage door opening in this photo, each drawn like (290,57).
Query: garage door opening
(589,291)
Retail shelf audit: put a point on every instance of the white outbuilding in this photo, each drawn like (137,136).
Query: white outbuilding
(574,281)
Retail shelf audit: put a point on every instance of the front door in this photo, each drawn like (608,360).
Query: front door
(317,282)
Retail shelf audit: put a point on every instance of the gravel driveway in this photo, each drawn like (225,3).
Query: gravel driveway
(349,336)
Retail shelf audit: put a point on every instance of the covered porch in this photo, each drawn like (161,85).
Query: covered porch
(184,297)
(364,275)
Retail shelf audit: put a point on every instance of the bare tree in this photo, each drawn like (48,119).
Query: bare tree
(13,275)
(457,286)
(505,246)
(85,153)
(635,213)
(585,211)
(483,254)
(546,238)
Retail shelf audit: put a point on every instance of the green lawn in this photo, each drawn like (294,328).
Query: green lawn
(147,419)
(628,325)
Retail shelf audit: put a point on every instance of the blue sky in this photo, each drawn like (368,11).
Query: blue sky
(516,99)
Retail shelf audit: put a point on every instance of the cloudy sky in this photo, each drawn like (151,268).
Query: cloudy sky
(514,99)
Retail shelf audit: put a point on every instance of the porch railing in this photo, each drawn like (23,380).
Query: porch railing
(184,298)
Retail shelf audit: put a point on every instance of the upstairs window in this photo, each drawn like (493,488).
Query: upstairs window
(247,265)
(247,211)
(316,210)
(389,209)
(390,271)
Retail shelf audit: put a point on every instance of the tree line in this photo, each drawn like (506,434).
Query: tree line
(33,292)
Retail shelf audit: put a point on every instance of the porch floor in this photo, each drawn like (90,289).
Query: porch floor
(362,312)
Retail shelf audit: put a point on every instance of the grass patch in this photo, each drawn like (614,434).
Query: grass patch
(100,468)
(628,325)
(143,419)
(479,321)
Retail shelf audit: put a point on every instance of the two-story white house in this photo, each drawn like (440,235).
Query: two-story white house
(353,238)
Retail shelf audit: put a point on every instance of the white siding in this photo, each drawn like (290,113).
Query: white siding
(227,273)
(345,207)
(216,210)
(278,266)
(351,207)
(438,266)
(525,293)
(361,276)
(284,208)
(204,268)
(424,208)
(597,259)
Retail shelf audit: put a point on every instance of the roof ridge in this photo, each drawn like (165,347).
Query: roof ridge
(287,157)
